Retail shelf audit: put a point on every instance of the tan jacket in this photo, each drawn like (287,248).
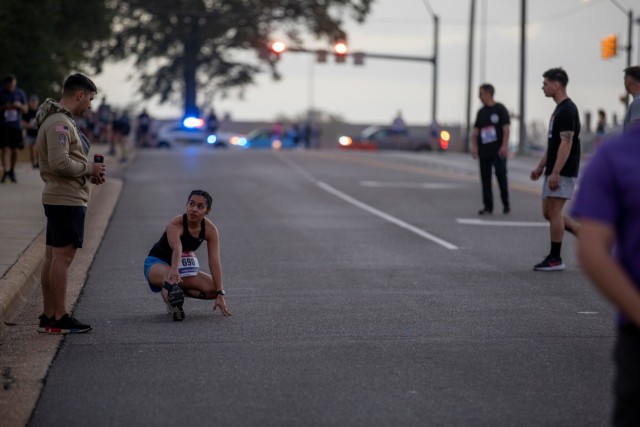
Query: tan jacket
(64,166)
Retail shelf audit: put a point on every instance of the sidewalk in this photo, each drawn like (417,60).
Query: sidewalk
(22,225)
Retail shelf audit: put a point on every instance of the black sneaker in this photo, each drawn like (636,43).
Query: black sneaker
(67,325)
(4,177)
(44,323)
(550,263)
(176,299)
(484,212)
(506,210)
(12,176)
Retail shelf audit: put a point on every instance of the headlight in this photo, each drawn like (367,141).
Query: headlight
(211,139)
(238,140)
(192,122)
(276,144)
(345,141)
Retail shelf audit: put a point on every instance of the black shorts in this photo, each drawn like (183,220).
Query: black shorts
(65,225)
(10,137)
(627,382)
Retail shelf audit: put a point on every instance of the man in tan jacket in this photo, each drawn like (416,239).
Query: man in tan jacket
(67,175)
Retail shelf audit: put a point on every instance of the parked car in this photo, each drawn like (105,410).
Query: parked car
(262,138)
(176,133)
(384,138)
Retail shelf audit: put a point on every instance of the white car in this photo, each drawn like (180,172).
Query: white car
(178,133)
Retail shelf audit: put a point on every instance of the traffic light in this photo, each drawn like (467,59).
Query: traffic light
(321,56)
(358,58)
(277,48)
(340,49)
(445,137)
(609,46)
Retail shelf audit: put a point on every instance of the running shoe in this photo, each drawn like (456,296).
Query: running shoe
(44,323)
(67,325)
(176,299)
(550,263)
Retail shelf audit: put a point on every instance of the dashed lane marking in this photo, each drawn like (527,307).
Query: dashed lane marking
(411,185)
(475,221)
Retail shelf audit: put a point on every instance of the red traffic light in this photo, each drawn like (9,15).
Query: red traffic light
(278,47)
(445,137)
(340,48)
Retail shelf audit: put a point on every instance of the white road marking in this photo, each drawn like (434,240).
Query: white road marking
(400,223)
(385,216)
(475,221)
(421,185)
(588,312)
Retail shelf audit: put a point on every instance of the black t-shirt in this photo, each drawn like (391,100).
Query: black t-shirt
(564,118)
(489,121)
(163,250)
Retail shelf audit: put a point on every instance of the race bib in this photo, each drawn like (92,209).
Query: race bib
(188,264)
(488,134)
(11,115)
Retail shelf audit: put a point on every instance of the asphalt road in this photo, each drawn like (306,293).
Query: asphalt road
(363,293)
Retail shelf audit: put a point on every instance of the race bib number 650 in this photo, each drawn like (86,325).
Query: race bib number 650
(188,264)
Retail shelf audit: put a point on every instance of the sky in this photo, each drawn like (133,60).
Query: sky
(563,33)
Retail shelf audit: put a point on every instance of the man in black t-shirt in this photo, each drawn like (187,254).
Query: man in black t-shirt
(560,165)
(490,138)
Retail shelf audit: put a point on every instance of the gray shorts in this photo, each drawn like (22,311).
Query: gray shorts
(564,190)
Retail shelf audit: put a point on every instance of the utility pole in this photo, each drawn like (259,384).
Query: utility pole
(434,61)
(630,35)
(434,100)
(523,56)
(472,21)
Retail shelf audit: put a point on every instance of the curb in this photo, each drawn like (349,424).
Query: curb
(18,283)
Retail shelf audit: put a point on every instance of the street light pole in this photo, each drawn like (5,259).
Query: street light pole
(434,101)
(472,21)
(629,47)
(436,35)
(629,37)
(523,56)
(638,58)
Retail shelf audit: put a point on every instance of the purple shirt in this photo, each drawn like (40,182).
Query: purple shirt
(610,193)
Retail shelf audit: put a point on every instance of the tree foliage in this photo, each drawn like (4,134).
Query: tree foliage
(180,46)
(42,41)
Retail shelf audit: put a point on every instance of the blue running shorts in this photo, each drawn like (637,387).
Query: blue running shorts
(148,262)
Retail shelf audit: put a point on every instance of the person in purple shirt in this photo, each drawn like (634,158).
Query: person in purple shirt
(608,208)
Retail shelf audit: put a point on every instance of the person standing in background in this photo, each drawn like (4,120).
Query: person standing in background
(121,129)
(601,128)
(490,142)
(632,85)
(13,104)
(143,129)
(398,125)
(29,123)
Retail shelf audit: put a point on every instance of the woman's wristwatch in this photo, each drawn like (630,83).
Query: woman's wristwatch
(220,292)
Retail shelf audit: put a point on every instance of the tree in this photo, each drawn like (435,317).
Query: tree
(186,45)
(43,41)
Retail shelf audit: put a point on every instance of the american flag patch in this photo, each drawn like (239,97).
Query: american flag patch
(62,128)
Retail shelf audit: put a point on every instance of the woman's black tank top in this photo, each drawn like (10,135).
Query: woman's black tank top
(163,250)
